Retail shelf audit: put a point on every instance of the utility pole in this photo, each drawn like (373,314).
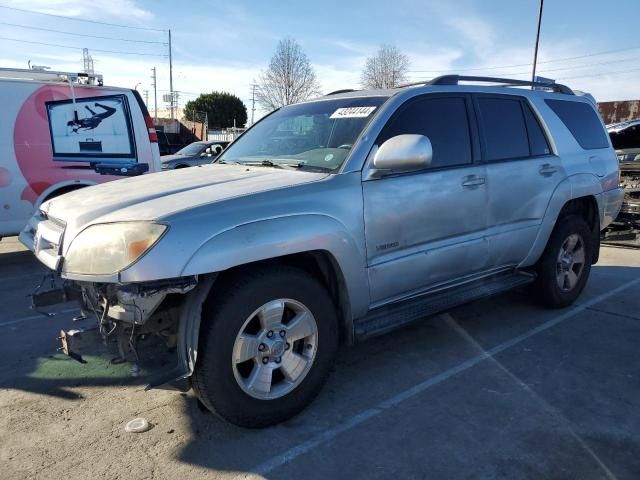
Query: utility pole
(87,61)
(171,75)
(535,52)
(146,98)
(253,101)
(206,126)
(155,93)
(175,99)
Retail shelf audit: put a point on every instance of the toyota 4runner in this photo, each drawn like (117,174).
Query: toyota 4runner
(331,221)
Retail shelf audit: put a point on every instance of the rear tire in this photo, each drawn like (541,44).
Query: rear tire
(272,384)
(565,265)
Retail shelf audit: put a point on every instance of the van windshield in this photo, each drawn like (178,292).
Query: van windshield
(315,135)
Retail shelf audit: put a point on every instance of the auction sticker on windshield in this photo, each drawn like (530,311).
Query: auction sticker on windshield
(352,112)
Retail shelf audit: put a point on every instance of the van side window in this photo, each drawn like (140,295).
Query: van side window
(503,128)
(582,121)
(537,140)
(444,120)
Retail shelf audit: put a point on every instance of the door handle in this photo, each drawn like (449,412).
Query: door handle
(472,181)
(547,170)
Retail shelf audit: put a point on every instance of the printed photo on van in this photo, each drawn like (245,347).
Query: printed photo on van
(91,127)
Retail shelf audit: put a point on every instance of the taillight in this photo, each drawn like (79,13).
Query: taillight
(153,135)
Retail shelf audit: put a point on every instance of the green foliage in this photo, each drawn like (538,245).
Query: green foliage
(222,109)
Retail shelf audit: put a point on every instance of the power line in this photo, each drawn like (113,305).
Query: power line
(119,52)
(79,34)
(80,19)
(601,74)
(526,64)
(575,67)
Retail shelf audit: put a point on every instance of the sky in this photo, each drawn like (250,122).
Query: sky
(224,45)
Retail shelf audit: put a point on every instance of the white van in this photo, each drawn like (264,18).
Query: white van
(63,131)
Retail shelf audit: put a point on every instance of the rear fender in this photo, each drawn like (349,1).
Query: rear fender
(575,186)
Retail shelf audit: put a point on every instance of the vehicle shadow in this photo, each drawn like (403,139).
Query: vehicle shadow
(365,374)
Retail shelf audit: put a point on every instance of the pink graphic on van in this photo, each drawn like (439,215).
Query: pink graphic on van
(32,142)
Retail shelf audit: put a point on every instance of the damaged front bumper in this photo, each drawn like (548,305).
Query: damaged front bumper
(125,313)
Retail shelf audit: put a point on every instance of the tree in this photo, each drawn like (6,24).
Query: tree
(386,69)
(222,108)
(289,78)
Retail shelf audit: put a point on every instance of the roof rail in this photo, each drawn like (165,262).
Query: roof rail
(344,90)
(51,76)
(455,79)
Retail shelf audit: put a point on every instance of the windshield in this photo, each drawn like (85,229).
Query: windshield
(191,149)
(315,135)
(625,138)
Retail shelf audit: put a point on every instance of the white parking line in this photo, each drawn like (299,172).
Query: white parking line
(556,413)
(35,317)
(279,460)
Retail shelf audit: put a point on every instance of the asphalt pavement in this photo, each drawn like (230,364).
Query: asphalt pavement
(496,389)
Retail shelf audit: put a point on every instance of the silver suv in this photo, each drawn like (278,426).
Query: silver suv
(331,221)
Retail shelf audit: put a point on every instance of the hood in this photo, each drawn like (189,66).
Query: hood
(169,158)
(158,195)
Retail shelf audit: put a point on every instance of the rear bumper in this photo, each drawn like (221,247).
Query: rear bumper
(610,204)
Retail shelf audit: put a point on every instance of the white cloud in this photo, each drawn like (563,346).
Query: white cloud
(123,9)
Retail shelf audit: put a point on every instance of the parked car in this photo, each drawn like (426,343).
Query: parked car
(61,133)
(625,138)
(196,153)
(389,206)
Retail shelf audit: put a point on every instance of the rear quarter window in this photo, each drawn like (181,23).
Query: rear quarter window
(582,121)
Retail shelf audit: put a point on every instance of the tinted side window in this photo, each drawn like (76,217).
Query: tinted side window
(582,121)
(537,140)
(444,120)
(503,127)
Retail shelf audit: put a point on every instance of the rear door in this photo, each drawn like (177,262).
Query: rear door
(522,174)
(427,228)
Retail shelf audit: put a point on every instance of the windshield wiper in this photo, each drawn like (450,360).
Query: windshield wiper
(266,163)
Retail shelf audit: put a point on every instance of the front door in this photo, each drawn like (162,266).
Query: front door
(427,228)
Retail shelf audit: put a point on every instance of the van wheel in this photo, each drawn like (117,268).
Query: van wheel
(268,341)
(565,265)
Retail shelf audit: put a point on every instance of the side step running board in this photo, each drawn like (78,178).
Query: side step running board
(389,317)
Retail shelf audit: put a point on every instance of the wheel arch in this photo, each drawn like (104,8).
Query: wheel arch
(321,265)
(577,194)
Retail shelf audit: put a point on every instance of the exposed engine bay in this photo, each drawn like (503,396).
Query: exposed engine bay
(625,230)
(123,314)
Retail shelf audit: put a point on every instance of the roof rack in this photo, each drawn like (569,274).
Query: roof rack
(455,79)
(336,92)
(51,76)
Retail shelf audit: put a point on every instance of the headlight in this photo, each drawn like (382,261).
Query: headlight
(107,248)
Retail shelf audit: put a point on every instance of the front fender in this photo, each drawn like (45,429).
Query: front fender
(575,186)
(277,237)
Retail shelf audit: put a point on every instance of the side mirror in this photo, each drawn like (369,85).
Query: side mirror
(403,153)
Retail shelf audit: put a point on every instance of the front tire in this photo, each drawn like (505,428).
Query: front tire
(267,343)
(565,265)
